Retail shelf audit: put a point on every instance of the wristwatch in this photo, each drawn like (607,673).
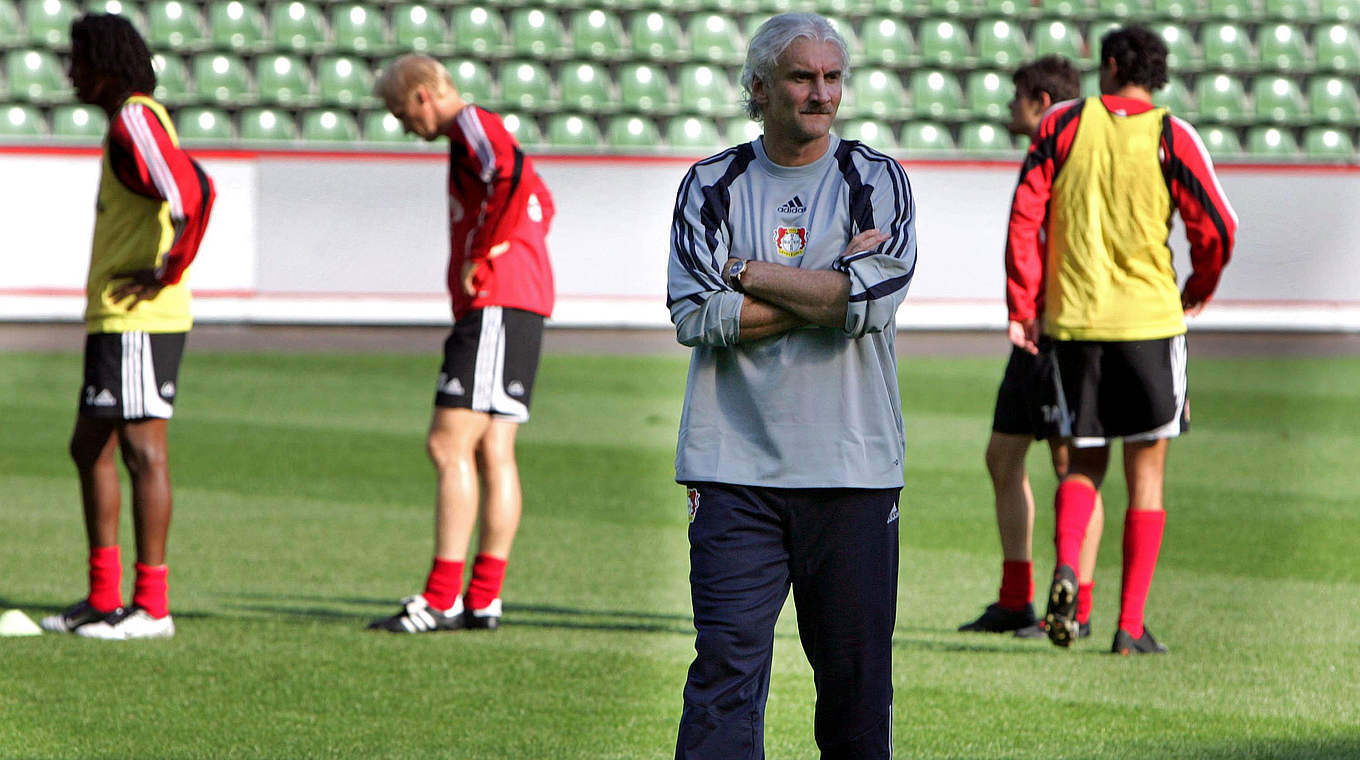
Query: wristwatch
(733,275)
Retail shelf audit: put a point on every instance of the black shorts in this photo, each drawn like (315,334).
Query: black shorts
(1135,390)
(1024,400)
(490,361)
(131,375)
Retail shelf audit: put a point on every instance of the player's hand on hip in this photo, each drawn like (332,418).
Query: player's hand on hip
(1024,334)
(864,241)
(1192,306)
(141,285)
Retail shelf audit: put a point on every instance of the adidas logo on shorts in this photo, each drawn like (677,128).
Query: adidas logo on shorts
(515,388)
(103,398)
(793,206)
(450,385)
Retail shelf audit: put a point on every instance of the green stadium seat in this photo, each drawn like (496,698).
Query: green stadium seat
(221,78)
(897,7)
(596,33)
(344,81)
(875,134)
(359,28)
(1278,101)
(953,8)
(478,31)
(474,81)
(203,125)
(236,26)
(1341,10)
(283,80)
(1119,9)
(172,79)
(1271,142)
(1181,53)
(329,125)
(644,88)
(1220,141)
(926,137)
(526,86)
(656,36)
(37,76)
(420,28)
(1005,8)
(1178,10)
(714,37)
(1333,100)
(1328,142)
(536,34)
(1064,9)
(742,130)
(567,130)
(875,93)
(49,22)
(21,121)
(1233,10)
(1000,43)
(11,25)
(586,87)
(1282,48)
(706,90)
(523,128)
(1221,99)
(1094,35)
(887,42)
(989,96)
(298,26)
(1337,48)
(175,25)
(936,95)
(1057,37)
(1226,46)
(632,132)
(985,138)
(383,127)
(1176,96)
(830,8)
(692,133)
(943,43)
(128,11)
(268,125)
(1289,10)
(79,122)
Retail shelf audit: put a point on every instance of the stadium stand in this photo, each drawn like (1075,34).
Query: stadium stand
(928,75)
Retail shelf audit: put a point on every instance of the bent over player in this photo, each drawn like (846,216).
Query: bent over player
(1017,420)
(1107,172)
(502,288)
(152,210)
(789,257)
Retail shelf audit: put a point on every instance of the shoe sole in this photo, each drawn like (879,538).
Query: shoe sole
(1060,624)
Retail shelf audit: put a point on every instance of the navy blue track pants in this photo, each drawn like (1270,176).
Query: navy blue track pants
(837,548)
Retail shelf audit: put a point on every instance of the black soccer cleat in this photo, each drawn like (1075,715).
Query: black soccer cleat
(417,616)
(1037,631)
(1060,621)
(487,618)
(78,614)
(1126,645)
(998,619)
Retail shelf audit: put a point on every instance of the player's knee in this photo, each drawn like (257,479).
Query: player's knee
(142,456)
(1003,463)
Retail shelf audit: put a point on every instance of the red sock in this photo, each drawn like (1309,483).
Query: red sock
(1084,601)
(1073,505)
(106,578)
(1142,542)
(488,573)
(1017,584)
(149,591)
(444,583)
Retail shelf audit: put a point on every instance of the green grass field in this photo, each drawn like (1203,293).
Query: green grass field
(304,509)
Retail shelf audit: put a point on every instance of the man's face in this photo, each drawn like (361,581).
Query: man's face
(1026,113)
(417,114)
(800,101)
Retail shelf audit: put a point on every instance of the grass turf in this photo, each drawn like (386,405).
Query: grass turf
(303,510)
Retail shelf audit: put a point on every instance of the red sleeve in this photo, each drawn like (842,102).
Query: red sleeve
(148,163)
(1029,207)
(1210,222)
(500,164)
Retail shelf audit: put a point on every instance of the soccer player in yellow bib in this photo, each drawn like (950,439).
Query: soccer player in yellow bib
(152,209)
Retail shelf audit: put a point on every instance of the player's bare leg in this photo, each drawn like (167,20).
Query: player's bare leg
(1014,502)
(144,454)
(1144,471)
(452,445)
(500,515)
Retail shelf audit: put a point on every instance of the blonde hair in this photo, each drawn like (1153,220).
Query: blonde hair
(404,75)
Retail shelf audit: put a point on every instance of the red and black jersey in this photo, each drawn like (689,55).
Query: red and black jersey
(495,198)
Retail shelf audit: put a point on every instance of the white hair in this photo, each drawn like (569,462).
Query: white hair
(772,39)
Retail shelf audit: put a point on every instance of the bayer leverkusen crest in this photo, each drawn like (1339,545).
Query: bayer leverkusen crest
(790,241)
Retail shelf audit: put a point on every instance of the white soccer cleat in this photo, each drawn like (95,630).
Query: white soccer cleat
(417,616)
(130,623)
(487,618)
